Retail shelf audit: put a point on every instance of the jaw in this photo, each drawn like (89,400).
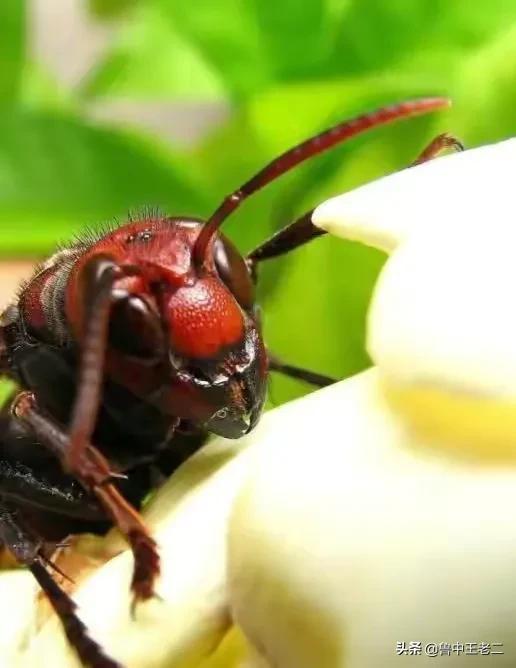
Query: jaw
(242,404)
(224,397)
(235,386)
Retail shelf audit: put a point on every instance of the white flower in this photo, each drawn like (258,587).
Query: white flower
(378,511)
(384,510)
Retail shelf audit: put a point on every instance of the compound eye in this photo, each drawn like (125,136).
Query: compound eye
(135,328)
(233,271)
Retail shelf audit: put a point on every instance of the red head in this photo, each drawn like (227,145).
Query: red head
(182,337)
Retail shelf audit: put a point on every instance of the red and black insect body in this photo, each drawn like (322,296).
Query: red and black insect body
(129,348)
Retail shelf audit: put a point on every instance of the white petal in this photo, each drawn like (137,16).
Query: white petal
(348,539)
(361,532)
(17,594)
(443,313)
(473,189)
(441,324)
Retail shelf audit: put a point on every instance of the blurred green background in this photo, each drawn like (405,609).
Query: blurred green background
(259,75)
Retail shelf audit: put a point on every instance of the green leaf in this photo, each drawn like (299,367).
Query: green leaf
(153,60)
(239,47)
(486,95)
(12,48)
(227,35)
(295,36)
(374,35)
(58,173)
(41,90)
(111,9)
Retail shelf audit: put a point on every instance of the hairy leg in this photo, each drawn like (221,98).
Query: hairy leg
(96,477)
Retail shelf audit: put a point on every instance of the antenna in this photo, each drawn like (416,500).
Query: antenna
(307,149)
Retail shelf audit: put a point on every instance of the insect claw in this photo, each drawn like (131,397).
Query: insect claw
(137,599)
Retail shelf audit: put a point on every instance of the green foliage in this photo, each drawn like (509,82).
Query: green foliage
(111,9)
(60,173)
(245,46)
(288,69)
(12,47)
(154,59)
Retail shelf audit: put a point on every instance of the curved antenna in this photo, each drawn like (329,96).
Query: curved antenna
(307,149)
